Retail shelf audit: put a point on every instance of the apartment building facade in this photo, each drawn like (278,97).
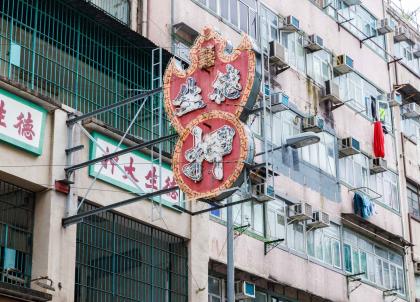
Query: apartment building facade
(333,67)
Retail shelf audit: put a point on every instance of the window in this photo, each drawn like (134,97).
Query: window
(294,43)
(413,201)
(386,184)
(404,50)
(354,170)
(322,154)
(215,289)
(360,94)
(362,24)
(249,212)
(269,27)
(319,66)
(379,265)
(418,286)
(240,13)
(288,124)
(119,9)
(324,245)
(276,220)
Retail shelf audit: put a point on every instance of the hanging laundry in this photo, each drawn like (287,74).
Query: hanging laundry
(362,204)
(378,140)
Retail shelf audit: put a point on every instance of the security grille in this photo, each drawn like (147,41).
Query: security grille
(120,259)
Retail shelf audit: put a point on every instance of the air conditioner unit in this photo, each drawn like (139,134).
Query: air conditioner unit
(401,34)
(301,211)
(290,23)
(314,123)
(244,290)
(377,165)
(263,192)
(417,268)
(331,92)
(278,54)
(352,2)
(348,146)
(314,43)
(411,110)
(319,220)
(416,50)
(343,64)
(279,102)
(394,98)
(384,26)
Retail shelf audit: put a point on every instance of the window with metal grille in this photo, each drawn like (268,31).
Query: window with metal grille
(16,228)
(120,259)
(57,51)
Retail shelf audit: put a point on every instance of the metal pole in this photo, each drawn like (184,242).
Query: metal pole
(230,260)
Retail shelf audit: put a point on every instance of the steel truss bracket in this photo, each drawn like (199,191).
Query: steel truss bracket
(272,244)
(395,60)
(79,217)
(339,24)
(239,230)
(365,39)
(279,70)
(353,278)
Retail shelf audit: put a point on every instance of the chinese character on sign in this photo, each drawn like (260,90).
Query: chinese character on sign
(112,161)
(170,183)
(207,57)
(130,170)
(25,126)
(226,85)
(2,114)
(151,178)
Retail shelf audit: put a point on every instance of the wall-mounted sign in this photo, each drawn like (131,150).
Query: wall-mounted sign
(22,123)
(207,104)
(149,176)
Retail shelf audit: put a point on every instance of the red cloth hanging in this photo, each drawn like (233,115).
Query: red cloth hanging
(378,140)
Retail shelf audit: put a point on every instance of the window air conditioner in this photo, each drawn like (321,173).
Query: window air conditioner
(314,123)
(377,165)
(348,146)
(244,290)
(314,43)
(331,92)
(301,211)
(384,26)
(352,2)
(319,220)
(262,192)
(279,102)
(416,50)
(278,54)
(401,34)
(411,110)
(417,268)
(343,64)
(290,23)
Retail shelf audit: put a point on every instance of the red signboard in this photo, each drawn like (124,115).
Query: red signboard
(206,104)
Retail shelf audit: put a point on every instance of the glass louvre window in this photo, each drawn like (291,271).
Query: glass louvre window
(413,201)
(295,236)
(294,42)
(380,265)
(322,154)
(324,245)
(319,66)
(145,263)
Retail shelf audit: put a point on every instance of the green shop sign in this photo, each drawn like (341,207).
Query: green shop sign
(22,123)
